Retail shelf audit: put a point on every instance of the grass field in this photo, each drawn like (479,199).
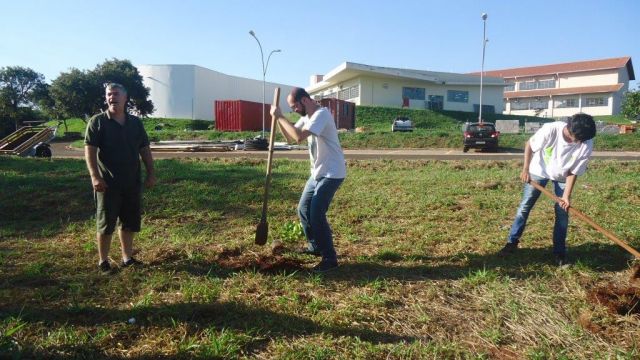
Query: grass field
(432,130)
(419,278)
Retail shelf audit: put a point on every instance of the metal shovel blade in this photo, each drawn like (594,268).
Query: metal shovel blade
(262,232)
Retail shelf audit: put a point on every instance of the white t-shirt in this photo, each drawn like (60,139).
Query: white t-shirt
(327,159)
(553,157)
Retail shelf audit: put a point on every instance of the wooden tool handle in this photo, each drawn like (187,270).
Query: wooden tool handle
(272,136)
(588,220)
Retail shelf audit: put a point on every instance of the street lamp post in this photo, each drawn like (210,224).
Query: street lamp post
(484,44)
(264,73)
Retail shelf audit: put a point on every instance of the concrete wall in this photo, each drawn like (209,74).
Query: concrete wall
(592,78)
(189,91)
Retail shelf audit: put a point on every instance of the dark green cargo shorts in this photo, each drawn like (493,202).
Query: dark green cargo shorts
(121,206)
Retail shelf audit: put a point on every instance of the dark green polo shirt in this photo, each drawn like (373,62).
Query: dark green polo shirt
(118,148)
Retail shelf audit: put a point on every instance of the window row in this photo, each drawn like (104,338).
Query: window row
(413,93)
(531,85)
(524,104)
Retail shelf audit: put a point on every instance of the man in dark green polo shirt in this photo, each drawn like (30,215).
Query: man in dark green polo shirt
(114,143)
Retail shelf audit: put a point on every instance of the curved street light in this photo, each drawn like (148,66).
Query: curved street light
(484,43)
(264,72)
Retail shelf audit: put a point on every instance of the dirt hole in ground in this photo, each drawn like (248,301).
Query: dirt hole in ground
(618,300)
(266,264)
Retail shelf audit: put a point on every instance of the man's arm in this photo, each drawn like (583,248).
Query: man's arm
(568,189)
(91,158)
(292,133)
(528,154)
(147,159)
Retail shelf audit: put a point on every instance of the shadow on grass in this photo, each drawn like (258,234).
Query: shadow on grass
(220,315)
(525,263)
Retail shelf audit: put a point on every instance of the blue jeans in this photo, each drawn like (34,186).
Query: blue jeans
(529,197)
(312,210)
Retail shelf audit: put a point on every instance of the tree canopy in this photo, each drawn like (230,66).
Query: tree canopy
(20,86)
(631,104)
(21,89)
(80,93)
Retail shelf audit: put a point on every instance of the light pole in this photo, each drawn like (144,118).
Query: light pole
(484,44)
(264,72)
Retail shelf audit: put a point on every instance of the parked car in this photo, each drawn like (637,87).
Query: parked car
(480,136)
(401,123)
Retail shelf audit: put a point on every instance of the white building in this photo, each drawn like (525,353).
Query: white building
(189,91)
(595,87)
(418,89)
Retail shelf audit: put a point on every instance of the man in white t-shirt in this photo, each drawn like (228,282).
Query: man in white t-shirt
(328,170)
(558,152)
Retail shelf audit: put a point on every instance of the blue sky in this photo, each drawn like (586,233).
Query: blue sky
(315,36)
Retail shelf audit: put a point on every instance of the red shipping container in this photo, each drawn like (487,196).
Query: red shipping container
(241,115)
(344,112)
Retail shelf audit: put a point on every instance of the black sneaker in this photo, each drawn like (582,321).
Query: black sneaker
(105,267)
(132,262)
(324,266)
(561,260)
(508,249)
(306,251)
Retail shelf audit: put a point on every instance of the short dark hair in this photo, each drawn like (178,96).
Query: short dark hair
(299,93)
(582,126)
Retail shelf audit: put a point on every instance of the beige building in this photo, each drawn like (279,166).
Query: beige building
(418,89)
(595,87)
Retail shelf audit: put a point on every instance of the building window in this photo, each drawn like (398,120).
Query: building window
(457,96)
(532,85)
(596,101)
(546,84)
(486,109)
(413,93)
(539,104)
(529,104)
(354,92)
(566,103)
(520,105)
(435,102)
(510,87)
(348,93)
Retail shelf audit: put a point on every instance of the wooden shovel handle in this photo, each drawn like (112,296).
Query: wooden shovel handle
(588,220)
(272,136)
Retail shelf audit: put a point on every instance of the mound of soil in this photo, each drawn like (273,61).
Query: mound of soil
(618,300)
(235,260)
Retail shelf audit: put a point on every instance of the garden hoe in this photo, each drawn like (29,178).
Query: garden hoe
(262,230)
(573,211)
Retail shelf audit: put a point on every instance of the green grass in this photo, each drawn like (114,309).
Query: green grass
(432,130)
(419,277)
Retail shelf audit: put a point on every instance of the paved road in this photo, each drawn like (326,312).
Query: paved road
(63,150)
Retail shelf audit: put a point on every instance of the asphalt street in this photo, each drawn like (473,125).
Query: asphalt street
(64,150)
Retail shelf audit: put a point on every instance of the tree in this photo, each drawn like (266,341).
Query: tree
(19,86)
(75,94)
(20,89)
(81,93)
(631,104)
(123,72)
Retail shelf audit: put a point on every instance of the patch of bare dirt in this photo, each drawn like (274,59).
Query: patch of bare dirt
(273,263)
(617,300)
